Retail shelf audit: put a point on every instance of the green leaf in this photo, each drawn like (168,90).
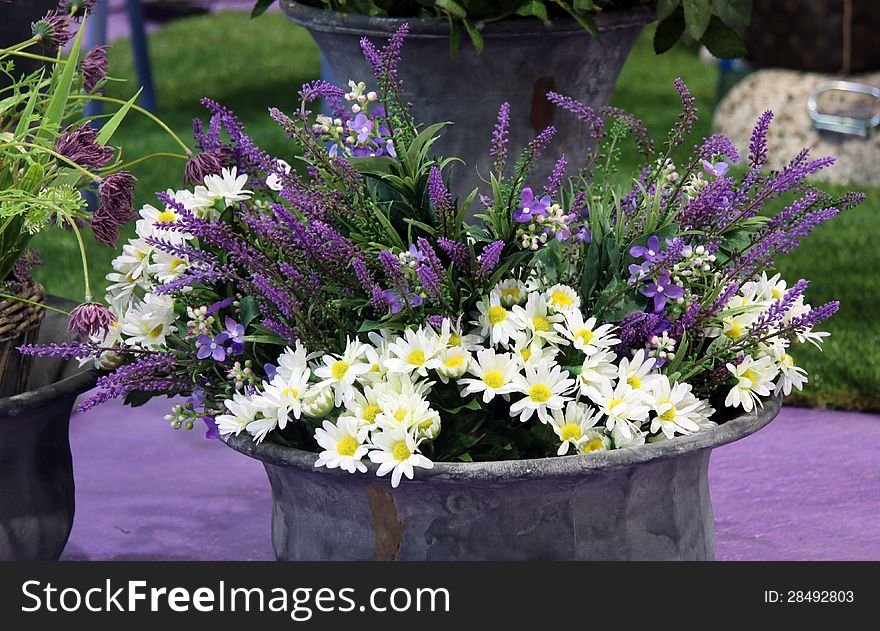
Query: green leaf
(260,7)
(24,122)
(584,5)
(669,31)
(249,310)
(697,14)
(722,41)
(452,8)
(265,339)
(534,8)
(474,34)
(665,8)
(734,13)
(110,127)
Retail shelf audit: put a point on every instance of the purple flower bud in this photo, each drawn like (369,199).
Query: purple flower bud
(78,145)
(94,67)
(89,320)
(201,165)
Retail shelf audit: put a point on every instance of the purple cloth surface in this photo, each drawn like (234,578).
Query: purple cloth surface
(807,487)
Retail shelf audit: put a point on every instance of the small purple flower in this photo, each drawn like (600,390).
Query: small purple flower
(530,207)
(397,302)
(271,371)
(235,331)
(212,347)
(217,306)
(638,272)
(362,126)
(90,319)
(648,252)
(662,290)
(583,234)
(719,169)
(414,252)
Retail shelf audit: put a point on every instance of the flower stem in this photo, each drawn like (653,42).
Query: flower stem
(85,262)
(32,302)
(128,165)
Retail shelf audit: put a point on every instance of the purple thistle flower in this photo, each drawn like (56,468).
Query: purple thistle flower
(51,30)
(76,8)
(498,147)
(94,67)
(661,290)
(489,258)
(116,193)
(583,112)
(78,145)
(90,319)
(551,188)
(201,165)
(758,141)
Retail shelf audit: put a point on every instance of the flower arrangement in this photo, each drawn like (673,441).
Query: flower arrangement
(360,310)
(717,24)
(50,155)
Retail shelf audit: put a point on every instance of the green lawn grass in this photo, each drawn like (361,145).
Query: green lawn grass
(249,65)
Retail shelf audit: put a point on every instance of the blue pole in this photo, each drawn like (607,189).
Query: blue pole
(96,36)
(141,53)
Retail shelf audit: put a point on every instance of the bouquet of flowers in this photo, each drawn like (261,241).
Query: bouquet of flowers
(358,309)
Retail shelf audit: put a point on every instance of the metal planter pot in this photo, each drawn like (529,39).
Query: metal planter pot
(36,469)
(522,60)
(648,503)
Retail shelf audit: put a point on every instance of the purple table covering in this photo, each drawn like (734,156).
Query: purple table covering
(807,487)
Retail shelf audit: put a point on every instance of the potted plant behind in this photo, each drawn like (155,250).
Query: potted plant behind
(521,50)
(545,382)
(48,156)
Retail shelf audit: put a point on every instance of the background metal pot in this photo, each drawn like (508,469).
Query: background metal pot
(648,503)
(36,469)
(522,60)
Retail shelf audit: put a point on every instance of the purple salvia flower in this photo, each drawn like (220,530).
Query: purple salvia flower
(685,123)
(535,148)
(78,145)
(489,258)
(758,141)
(583,112)
(90,320)
(393,267)
(430,281)
(637,329)
(94,67)
(442,202)
(457,252)
(551,188)
(498,147)
(430,256)
(717,145)
(65,351)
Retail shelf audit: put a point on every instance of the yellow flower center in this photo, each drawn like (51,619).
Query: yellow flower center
(585,336)
(290,392)
(424,425)
(346,446)
(176,264)
(511,293)
(401,451)
(750,375)
(493,379)
(157,331)
(526,354)
(735,331)
(416,357)
(561,299)
(594,445)
(400,415)
(497,314)
(454,339)
(776,293)
(787,359)
(669,415)
(541,323)
(613,403)
(539,393)
(374,368)
(339,369)
(570,431)
(166,217)
(635,382)
(454,362)
(370,412)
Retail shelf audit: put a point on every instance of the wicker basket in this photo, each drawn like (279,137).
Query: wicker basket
(19,324)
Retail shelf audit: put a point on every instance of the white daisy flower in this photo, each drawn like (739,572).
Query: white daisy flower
(597,371)
(573,425)
(454,363)
(494,374)
(241,413)
(530,351)
(318,403)
(764,289)
(273,180)
(593,441)
(166,267)
(510,292)
(624,408)
(418,350)
(148,322)
(790,375)
(364,407)
(294,359)
(410,413)
(228,186)
(638,372)
(396,454)
(341,372)
(585,335)
(282,397)
(452,332)
(536,318)
(494,321)
(343,446)
(562,299)
(753,380)
(545,388)
(675,408)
